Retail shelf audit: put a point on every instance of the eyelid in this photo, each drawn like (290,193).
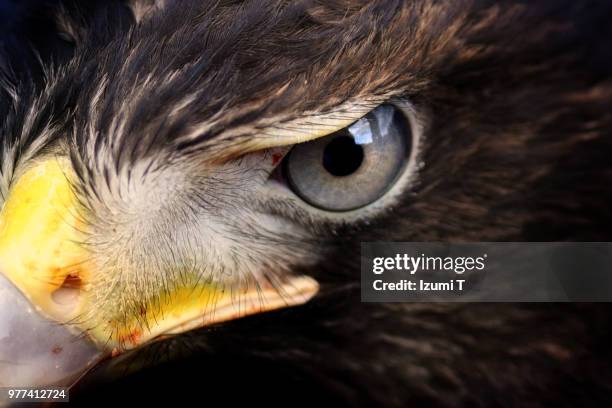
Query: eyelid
(305,128)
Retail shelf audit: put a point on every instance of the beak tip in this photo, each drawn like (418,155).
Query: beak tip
(35,351)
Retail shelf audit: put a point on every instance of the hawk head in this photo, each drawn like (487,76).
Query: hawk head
(173,166)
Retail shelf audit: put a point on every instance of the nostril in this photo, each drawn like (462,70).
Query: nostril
(67,294)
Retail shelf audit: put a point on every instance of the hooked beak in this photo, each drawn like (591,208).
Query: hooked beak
(35,351)
(46,289)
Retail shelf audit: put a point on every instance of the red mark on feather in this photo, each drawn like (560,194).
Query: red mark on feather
(131,338)
(276,157)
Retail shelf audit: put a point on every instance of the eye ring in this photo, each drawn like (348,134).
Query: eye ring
(355,166)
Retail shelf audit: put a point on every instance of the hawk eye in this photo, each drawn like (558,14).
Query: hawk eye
(354,166)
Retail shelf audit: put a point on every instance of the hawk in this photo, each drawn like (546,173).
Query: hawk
(185,186)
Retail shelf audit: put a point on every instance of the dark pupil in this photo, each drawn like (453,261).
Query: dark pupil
(342,156)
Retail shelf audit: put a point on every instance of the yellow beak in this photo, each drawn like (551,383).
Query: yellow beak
(39,241)
(41,272)
(42,257)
